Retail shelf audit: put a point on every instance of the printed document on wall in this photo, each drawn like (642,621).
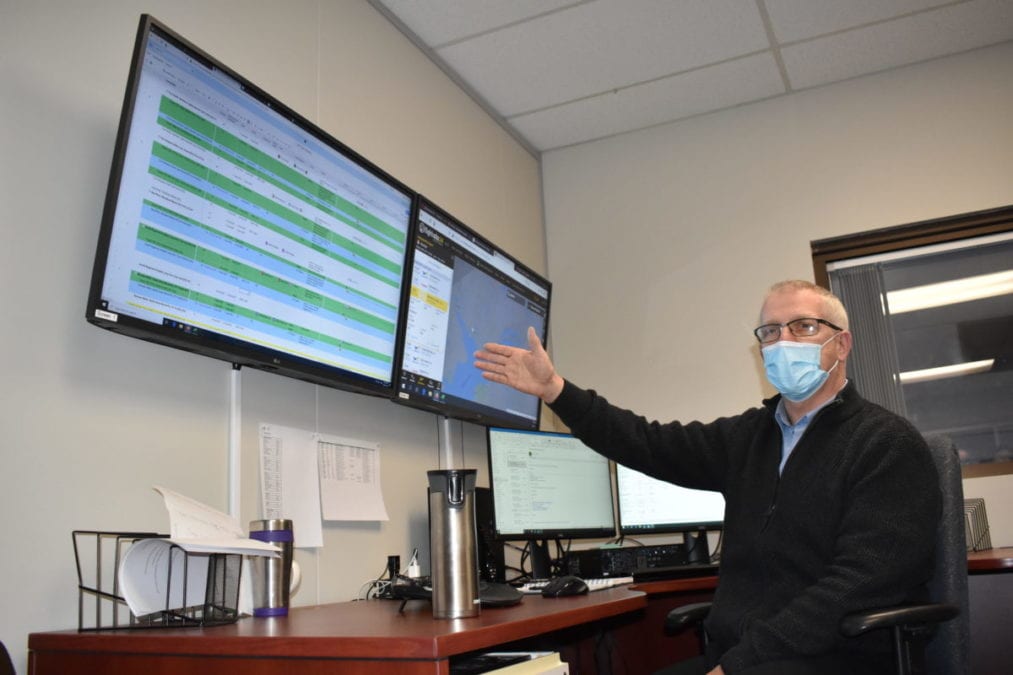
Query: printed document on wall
(289,481)
(350,487)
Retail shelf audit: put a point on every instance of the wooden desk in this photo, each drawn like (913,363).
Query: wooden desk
(990,594)
(350,638)
(655,649)
(634,644)
(992,560)
(371,638)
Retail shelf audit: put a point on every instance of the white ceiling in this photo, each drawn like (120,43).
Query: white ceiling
(559,72)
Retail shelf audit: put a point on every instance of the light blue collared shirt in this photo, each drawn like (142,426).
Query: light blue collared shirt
(791,433)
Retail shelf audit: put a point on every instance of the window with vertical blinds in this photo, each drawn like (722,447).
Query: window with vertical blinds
(931,309)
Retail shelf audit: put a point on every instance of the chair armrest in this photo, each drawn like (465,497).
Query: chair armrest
(686,616)
(903,616)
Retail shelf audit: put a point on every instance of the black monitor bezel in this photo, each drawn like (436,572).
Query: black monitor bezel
(460,409)
(221,347)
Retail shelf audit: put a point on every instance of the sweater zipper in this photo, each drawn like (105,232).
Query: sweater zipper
(769,514)
(770,509)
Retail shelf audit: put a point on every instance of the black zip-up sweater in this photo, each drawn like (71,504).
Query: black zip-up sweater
(849,525)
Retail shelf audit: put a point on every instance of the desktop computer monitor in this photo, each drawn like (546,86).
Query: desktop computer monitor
(651,506)
(548,486)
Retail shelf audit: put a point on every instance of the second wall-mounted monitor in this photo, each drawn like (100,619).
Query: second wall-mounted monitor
(651,506)
(465,292)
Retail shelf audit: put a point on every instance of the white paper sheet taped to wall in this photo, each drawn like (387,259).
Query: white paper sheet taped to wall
(308,477)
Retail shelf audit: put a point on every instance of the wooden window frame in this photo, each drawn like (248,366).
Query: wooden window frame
(913,235)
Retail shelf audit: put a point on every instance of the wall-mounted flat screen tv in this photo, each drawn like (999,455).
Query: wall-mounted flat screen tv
(464,292)
(235,228)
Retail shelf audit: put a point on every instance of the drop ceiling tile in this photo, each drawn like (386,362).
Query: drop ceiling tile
(794,20)
(942,32)
(729,84)
(596,47)
(437,22)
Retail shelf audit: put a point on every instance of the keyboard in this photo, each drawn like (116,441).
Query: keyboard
(594,584)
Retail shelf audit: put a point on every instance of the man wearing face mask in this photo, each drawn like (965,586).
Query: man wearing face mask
(831,501)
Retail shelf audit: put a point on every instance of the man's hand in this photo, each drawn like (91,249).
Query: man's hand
(717,671)
(528,370)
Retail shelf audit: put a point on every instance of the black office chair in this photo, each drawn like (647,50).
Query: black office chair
(934,638)
(6,665)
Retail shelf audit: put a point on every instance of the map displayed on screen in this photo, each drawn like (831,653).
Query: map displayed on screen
(472,325)
(465,293)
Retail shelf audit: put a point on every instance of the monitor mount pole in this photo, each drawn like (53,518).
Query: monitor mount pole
(450,457)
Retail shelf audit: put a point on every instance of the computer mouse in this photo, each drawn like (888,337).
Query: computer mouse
(563,586)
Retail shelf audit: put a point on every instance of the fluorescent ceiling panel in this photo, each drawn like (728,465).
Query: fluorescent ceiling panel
(955,370)
(950,292)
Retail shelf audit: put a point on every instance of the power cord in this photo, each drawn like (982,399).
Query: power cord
(375,588)
(390,585)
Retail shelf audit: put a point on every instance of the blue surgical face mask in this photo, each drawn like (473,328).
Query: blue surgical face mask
(793,368)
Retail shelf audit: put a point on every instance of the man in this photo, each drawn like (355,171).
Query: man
(831,502)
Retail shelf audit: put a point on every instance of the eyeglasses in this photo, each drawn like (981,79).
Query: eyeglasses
(806,327)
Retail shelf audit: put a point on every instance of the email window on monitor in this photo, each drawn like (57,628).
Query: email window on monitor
(548,485)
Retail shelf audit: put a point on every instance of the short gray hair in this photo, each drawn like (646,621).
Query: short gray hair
(833,308)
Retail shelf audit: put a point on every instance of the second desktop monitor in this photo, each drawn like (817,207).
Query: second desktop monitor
(548,486)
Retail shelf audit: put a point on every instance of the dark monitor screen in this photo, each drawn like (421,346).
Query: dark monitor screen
(235,228)
(548,486)
(651,506)
(465,292)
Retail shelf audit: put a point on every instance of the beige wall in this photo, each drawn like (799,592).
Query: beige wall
(661,242)
(91,420)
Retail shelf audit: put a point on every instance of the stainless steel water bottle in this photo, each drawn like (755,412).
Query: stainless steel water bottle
(272,577)
(452,543)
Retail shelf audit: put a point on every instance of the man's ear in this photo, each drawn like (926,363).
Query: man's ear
(844,345)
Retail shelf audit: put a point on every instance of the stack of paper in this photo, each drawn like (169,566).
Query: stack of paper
(194,528)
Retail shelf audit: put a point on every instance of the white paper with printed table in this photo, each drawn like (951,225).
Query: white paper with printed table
(308,477)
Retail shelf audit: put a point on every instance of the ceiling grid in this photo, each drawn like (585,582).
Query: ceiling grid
(557,72)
